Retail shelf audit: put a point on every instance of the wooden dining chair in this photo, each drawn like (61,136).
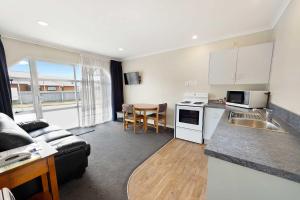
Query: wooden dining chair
(160,116)
(131,116)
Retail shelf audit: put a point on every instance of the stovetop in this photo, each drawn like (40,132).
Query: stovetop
(194,99)
(187,102)
(192,103)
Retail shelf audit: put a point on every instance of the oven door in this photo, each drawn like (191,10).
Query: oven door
(189,117)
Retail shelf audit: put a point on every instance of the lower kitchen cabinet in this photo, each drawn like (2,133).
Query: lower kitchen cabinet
(229,181)
(212,117)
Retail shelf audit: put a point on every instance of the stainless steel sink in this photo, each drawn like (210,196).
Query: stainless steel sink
(254,120)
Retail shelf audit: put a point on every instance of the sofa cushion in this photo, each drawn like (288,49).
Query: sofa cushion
(11,135)
(54,135)
(69,144)
(33,125)
(44,131)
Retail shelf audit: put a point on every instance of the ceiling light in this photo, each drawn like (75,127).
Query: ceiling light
(120,49)
(42,23)
(195,37)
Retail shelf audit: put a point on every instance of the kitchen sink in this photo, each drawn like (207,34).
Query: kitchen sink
(254,120)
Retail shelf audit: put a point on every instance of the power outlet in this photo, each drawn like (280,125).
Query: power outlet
(191,83)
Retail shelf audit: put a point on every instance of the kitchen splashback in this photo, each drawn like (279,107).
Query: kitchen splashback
(289,117)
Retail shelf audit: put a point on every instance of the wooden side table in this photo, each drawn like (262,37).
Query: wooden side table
(41,165)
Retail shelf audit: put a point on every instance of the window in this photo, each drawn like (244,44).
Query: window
(51,88)
(21,90)
(51,91)
(58,93)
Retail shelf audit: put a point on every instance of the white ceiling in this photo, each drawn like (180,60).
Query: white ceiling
(140,27)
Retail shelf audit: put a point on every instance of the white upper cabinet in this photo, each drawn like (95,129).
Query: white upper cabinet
(254,64)
(246,65)
(222,67)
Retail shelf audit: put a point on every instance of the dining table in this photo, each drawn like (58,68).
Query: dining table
(144,107)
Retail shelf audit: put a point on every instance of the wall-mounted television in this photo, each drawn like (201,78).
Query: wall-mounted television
(132,78)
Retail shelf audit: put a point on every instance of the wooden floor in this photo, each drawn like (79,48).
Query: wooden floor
(177,171)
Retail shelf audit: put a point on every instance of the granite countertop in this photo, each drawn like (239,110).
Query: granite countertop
(266,151)
(215,104)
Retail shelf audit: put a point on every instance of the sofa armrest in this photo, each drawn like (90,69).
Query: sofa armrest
(11,135)
(33,125)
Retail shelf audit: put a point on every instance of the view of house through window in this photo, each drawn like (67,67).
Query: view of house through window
(21,90)
(57,90)
(58,94)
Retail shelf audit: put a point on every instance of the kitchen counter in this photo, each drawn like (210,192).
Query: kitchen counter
(215,104)
(263,150)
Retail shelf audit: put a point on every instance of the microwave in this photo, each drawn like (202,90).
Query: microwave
(247,99)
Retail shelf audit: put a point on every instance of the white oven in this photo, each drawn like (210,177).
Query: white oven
(189,117)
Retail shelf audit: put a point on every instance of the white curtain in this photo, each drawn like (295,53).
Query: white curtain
(95,91)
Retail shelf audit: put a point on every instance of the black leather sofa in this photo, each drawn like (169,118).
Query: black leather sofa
(70,161)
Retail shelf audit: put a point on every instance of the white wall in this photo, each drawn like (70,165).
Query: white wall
(285,75)
(164,75)
(17,50)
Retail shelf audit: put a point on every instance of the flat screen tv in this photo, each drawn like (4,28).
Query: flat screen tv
(132,78)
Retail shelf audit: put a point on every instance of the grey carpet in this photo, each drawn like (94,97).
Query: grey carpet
(81,131)
(115,154)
